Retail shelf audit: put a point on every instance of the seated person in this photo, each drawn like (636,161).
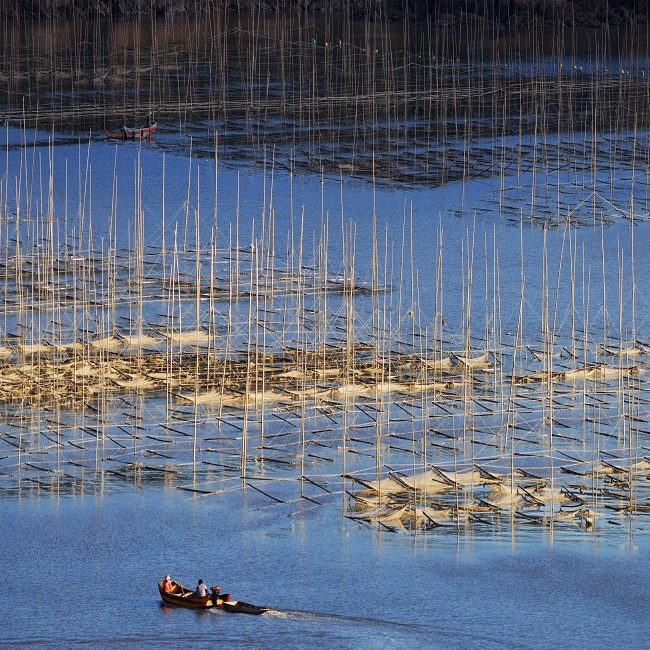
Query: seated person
(201,590)
(167,584)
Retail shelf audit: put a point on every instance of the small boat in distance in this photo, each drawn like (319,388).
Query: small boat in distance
(240,607)
(184,597)
(126,133)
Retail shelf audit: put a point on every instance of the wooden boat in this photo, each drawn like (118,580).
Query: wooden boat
(138,134)
(240,607)
(184,597)
(126,133)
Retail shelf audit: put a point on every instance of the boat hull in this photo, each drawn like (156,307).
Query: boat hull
(138,134)
(240,607)
(125,133)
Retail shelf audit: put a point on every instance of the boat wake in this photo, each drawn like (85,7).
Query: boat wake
(412,632)
(322,617)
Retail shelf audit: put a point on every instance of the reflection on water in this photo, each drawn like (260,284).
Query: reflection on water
(152,350)
(390,101)
(385,409)
(328,582)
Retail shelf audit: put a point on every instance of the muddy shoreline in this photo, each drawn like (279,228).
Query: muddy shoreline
(445,13)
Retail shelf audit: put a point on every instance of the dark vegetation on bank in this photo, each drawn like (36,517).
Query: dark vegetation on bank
(444,13)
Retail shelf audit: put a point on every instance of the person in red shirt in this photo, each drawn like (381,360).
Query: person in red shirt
(167,584)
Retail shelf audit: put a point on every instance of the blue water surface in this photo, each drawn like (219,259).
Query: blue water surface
(84,569)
